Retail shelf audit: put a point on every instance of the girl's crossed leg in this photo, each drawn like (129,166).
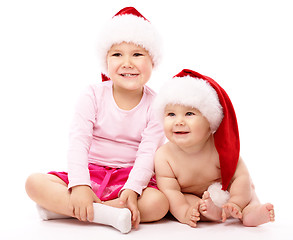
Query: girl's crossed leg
(51,193)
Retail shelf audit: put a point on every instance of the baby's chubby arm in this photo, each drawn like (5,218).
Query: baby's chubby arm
(241,186)
(168,184)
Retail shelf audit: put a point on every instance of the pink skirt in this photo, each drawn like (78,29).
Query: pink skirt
(106,182)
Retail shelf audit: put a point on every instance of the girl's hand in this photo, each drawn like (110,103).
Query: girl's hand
(81,202)
(128,199)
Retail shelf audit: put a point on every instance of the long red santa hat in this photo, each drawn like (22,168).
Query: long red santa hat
(193,89)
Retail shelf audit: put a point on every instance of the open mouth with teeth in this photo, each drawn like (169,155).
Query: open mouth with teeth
(129,74)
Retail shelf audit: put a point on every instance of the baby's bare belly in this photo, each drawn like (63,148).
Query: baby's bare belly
(197,188)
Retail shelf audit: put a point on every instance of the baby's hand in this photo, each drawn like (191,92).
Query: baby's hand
(231,209)
(81,203)
(192,215)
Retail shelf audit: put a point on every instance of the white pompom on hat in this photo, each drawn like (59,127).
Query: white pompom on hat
(128,25)
(218,196)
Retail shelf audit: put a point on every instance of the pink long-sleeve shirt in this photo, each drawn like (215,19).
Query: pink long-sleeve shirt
(106,135)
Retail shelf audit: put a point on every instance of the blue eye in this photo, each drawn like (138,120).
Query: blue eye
(189,114)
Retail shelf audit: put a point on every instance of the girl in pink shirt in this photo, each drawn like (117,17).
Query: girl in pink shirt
(113,138)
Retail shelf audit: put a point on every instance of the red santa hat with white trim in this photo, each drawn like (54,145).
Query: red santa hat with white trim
(190,88)
(129,25)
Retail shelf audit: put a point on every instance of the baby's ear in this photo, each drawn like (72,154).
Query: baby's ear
(212,132)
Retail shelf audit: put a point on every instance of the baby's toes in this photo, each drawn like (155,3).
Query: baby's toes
(237,213)
(192,224)
(195,213)
(195,218)
(272,216)
(205,195)
(227,208)
(203,207)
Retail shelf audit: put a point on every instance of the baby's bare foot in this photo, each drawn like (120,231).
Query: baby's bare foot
(193,215)
(208,209)
(259,214)
(231,209)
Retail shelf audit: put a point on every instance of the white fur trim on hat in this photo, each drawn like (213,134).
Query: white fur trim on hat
(129,28)
(194,92)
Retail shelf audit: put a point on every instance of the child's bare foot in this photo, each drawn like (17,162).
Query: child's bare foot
(208,209)
(231,209)
(259,214)
(193,216)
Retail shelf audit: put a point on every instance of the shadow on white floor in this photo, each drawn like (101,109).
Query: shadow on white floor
(29,226)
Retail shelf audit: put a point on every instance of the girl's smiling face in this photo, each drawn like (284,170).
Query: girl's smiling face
(129,66)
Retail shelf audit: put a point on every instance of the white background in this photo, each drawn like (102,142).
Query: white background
(48,56)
